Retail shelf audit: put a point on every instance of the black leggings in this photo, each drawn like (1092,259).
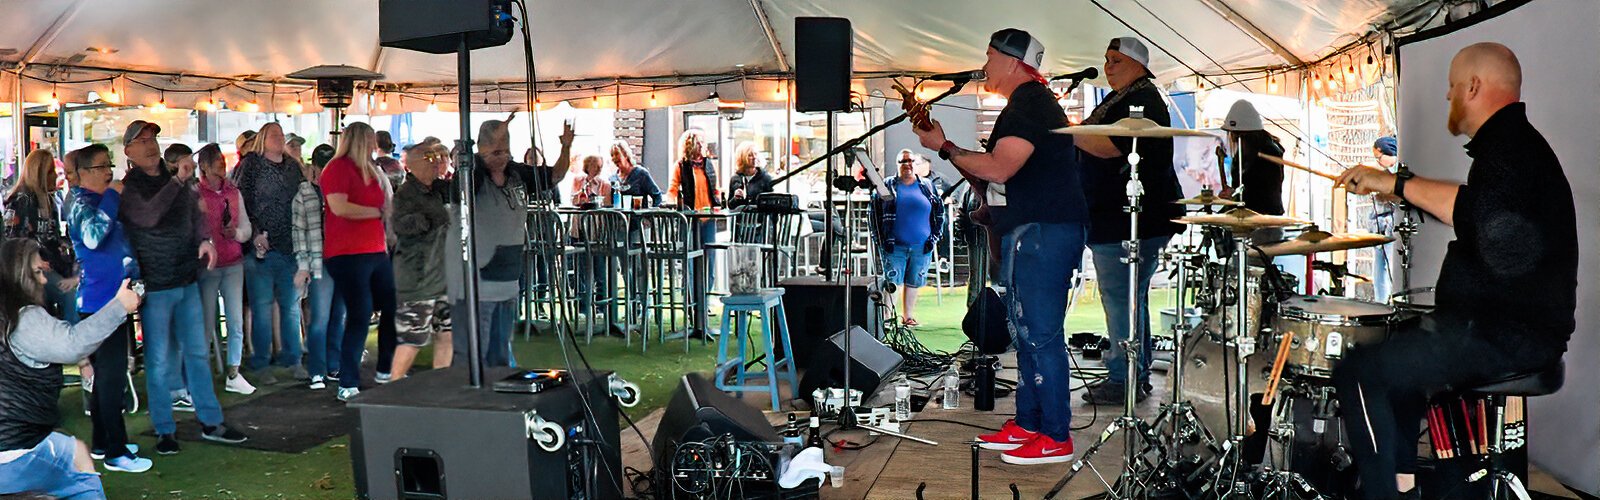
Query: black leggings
(110,362)
(1384,388)
(365,282)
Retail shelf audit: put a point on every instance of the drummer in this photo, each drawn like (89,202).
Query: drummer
(1506,291)
(1105,180)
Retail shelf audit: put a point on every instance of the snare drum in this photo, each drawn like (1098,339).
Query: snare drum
(1324,328)
(1417,301)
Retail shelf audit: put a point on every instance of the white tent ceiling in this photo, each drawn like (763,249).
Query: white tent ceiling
(650,45)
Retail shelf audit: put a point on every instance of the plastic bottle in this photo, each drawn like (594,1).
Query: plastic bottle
(952,388)
(902,399)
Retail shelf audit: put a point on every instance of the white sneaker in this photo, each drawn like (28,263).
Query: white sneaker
(97,455)
(346,393)
(238,385)
(317,383)
(383,378)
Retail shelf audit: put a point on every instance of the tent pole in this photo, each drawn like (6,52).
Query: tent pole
(18,121)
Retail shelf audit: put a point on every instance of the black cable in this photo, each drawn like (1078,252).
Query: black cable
(1094,410)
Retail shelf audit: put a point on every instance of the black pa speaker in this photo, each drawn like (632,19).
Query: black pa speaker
(985,323)
(822,64)
(698,411)
(871,364)
(815,310)
(436,26)
(431,437)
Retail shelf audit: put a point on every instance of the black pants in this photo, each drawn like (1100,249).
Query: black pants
(110,363)
(366,282)
(1384,388)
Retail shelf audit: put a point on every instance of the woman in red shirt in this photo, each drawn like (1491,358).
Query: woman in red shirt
(354,249)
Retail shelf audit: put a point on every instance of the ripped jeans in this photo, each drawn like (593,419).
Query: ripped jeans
(1036,265)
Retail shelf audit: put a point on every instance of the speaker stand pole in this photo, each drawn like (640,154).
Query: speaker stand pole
(828,239)
(469,254)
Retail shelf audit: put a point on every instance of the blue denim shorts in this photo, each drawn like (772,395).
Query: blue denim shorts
(47,469)
(903,265)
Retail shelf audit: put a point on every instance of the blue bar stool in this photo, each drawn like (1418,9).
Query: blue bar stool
(736,313)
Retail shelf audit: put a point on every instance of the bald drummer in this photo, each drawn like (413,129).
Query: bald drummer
(1506,291)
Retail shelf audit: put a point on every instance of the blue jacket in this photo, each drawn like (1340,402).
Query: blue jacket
(883,211)
(104,256)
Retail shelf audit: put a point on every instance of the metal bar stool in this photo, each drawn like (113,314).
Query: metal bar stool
(731,373)
(549,256)
(669,256)
(1503,484)
(608,252)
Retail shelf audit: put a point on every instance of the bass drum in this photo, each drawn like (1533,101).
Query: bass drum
(1209,383)
(1308,438)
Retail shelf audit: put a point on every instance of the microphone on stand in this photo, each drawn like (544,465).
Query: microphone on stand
(1078,77)
(959,76)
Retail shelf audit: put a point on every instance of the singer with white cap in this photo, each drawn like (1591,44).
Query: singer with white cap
(1105,179)
(1042,222)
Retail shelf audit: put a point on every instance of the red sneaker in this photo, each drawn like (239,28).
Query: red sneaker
(1041,450)
(1010,437)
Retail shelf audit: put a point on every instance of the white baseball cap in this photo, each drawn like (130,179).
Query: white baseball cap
(1131,47)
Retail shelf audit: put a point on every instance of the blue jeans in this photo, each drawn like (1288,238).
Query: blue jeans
(494,333)
(271,280)
(47,469)
(1112,275)
(365,282)
(327,315)
(65,302)
(1036,266)
(1382,286)
(170,317)
(903,265)
(708,234)
(229,283)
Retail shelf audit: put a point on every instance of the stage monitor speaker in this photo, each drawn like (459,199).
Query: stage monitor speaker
(815,310)
(822,64)
(871,364)
(436,26)
(429,436)
(699,410)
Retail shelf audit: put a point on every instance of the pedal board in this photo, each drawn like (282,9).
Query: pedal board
(532,381)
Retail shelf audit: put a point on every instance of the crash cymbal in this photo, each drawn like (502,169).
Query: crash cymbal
(1241,220)
(1130,127)
(1311,242)
(1209,200)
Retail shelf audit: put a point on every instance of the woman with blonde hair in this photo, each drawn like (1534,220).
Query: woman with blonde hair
(630,179)
(694,187)
(588,186)
(30,213)
(749,179)
(269,178)
(355,251)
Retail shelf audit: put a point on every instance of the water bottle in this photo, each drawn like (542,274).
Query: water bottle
(952,388)
(902,399)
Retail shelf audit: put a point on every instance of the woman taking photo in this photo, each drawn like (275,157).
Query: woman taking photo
(33,346)
(589,187)
(30,213)
(355,250)
(227,227)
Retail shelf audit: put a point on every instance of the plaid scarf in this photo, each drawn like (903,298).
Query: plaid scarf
(1111,101)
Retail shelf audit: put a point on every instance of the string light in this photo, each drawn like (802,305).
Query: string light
(1351,68)
(111,97)
(161,105)
(297,107)
(54,102)
(652,98)
(1316,81)
(433,105)
(595,102)
(384,105)
(1272,84)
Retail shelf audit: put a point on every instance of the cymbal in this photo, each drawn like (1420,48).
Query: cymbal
(1241,220)
(1210,200)
(1130,127)
(1311,242)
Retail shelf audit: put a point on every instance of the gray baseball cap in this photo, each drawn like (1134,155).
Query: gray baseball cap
(136,128)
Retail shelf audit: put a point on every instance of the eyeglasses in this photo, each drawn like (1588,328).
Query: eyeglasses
(107,166)
(907,162)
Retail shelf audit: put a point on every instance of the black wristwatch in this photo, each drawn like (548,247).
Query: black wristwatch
(1401,175)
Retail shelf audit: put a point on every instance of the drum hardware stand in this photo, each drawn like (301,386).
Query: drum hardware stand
(1408,227)
(1284,483)
(1131,483)
(1232,463)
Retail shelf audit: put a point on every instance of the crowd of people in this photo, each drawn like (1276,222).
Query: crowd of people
(289,256)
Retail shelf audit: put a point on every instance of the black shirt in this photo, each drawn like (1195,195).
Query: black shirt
(1263,179)
(1106,179)
(1047,188)
(1513,267)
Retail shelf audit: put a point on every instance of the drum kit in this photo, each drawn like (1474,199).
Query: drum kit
(1253,412)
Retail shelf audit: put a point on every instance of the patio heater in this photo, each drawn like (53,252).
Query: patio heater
(336,85)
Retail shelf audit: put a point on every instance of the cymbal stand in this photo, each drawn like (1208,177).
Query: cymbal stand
(1130,484)
(1233,465)
(1408,227)
(1178,417)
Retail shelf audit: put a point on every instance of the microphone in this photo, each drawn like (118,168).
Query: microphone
(960,76)
(1085,74)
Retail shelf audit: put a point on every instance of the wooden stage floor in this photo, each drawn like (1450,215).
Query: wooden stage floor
(893,468)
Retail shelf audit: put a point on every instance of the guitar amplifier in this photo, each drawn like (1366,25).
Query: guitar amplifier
(430,436)
(777,203)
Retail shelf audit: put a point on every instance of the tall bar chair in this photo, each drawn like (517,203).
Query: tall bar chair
(670,270)
(608,252)
(549,257)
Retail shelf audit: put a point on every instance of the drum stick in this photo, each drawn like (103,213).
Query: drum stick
(1277,369)
(1441,444)
(1290,164)
(1483,426)
(1471,425)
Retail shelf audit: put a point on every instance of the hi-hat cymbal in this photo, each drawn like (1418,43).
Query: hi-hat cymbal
(1241,220)
(1130,127)
(1311,242)
(1209,200)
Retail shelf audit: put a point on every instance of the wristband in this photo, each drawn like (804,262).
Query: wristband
(1401,175)
(945,149)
